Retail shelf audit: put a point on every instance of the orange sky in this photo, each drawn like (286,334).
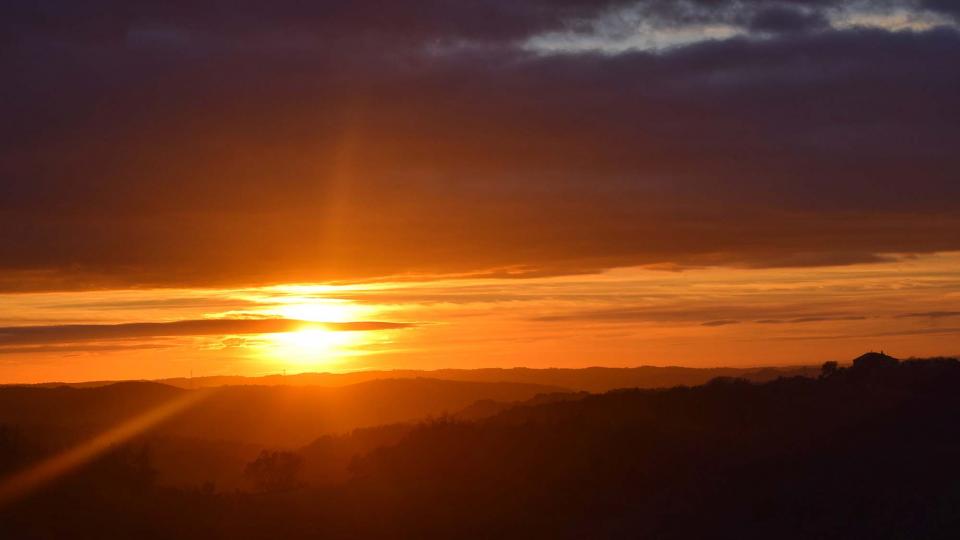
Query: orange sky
(623,317)
(495,184)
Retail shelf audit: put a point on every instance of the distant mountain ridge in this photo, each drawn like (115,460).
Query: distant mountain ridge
(589,379)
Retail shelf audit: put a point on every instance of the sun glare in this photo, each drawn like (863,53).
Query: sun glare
(320,310)
(313,346)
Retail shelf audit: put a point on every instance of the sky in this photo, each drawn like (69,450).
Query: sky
(247,187)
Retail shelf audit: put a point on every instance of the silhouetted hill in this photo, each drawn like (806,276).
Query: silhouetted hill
(327,460)
(865,451)
(486,408)
(592,379)
(264,415)
(80,411)
(296,415)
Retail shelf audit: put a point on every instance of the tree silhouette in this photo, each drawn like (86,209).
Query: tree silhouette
(829,369)
(274,470)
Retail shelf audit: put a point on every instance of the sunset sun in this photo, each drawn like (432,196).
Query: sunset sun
(314,344)
(311,346)
(319,310)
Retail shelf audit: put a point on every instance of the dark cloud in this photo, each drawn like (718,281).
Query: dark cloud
(947,7)
(292,25)
(781,19)
(70,333)
(224,143)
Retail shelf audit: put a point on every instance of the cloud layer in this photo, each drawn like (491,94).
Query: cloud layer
(220,143)
(631,316)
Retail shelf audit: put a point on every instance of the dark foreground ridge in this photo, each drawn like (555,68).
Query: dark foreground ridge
(866,451)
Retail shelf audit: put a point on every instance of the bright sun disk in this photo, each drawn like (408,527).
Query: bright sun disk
(312,344)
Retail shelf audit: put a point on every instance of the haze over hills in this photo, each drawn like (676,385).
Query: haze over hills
(215,438)
(265,415)
(590,379)
(332,417)
(240,416)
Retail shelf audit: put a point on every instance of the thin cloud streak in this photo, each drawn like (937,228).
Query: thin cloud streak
(34,335)
(918,332)
(80,348)
(931,314)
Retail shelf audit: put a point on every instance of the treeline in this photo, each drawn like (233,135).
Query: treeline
(868,451)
